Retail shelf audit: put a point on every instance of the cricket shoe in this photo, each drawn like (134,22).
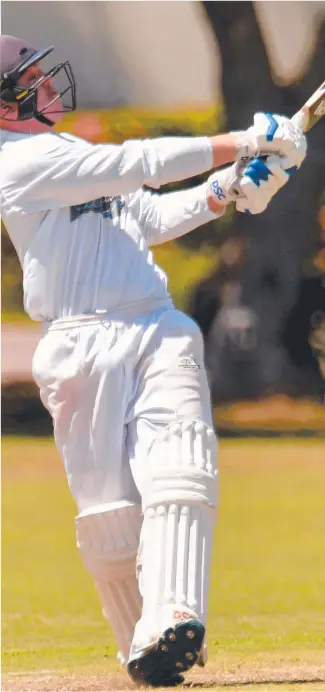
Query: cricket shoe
(161,662)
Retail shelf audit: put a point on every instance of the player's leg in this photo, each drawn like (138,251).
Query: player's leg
(173,457)
(108,539)
(83,386)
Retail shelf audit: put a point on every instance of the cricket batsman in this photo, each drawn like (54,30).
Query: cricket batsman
(120,370)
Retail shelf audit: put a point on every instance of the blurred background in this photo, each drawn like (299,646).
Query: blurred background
(255,285)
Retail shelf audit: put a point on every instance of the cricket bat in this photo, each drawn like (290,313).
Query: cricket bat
(312,111)
(306,118)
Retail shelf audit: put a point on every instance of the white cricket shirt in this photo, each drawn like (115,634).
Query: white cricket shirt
(82,224)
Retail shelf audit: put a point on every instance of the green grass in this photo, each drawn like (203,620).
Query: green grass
(16,317)
(267,602)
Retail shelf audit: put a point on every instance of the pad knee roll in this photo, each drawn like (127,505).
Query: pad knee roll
(108,535)
(182,467)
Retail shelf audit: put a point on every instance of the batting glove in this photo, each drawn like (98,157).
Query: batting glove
(253,186)
(223,184)
(260,181)
(272,134)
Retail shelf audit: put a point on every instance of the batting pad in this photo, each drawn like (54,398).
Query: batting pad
(108,539)
(179,505)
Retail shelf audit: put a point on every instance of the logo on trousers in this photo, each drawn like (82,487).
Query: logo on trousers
(189,363)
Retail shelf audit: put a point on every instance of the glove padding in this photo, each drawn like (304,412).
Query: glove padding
(272,134)
(251,187)
(260,181)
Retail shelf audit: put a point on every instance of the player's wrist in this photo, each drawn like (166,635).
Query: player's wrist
(223,149)
(246,144)
(214,204)
(220,186)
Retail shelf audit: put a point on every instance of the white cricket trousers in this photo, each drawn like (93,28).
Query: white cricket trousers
(111,385)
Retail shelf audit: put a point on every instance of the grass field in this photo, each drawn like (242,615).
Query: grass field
(267,607)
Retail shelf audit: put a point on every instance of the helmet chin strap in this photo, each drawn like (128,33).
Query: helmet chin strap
(42,119)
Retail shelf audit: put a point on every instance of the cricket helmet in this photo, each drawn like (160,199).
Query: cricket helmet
(17,56)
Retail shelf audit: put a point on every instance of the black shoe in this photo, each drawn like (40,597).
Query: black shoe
(176,651)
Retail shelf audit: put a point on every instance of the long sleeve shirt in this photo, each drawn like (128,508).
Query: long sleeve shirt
(82,224)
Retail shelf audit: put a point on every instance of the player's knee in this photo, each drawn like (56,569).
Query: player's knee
(108,538)
(182,467)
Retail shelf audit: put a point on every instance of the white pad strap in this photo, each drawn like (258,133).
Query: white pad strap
(108,539)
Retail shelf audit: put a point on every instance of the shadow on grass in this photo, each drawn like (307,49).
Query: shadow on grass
(252,683)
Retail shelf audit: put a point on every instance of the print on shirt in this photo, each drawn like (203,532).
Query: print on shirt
(106,206)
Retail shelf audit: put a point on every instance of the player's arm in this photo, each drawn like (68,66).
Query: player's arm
(164,217)
(63,173)
(59,172)
(169,216)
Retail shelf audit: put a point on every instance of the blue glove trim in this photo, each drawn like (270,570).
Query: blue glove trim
(257,171)
(273,126)
(291,170)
